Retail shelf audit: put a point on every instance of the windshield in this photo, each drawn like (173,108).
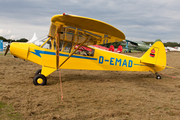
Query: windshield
(39,41)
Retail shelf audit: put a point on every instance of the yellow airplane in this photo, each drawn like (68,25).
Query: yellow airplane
(57,50)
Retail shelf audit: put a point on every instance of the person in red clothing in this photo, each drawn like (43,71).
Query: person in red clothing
(120,48)
(111,48)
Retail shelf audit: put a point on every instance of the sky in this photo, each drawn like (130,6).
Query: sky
(139,20)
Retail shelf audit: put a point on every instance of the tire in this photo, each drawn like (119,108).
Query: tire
(38,72)
(39,79)
(158,77)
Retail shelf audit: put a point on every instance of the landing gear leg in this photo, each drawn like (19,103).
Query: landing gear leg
(38,72)
(157,76)
(41,74)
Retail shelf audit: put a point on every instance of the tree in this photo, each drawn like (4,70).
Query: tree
(11,40)
(2,38)
(22,40)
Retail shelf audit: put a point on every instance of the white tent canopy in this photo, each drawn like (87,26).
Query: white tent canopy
(33,38)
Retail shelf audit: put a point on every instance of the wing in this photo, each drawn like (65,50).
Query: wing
(77,28)
(132,42)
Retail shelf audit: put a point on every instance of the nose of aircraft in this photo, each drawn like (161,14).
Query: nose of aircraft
(19,50)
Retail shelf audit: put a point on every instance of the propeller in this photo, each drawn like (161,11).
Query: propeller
(7,49)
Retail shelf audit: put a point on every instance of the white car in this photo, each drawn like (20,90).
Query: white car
(173,49)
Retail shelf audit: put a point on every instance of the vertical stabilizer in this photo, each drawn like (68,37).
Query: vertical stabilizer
(155,55)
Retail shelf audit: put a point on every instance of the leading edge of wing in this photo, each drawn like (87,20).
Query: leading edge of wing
(89,24)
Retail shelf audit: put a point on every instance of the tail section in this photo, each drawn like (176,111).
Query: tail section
(155,55)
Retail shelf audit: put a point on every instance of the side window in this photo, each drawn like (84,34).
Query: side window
(85,51)
(67,47)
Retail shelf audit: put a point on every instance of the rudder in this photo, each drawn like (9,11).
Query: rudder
(155,55)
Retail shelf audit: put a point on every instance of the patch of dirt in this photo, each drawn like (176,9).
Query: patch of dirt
(91,94)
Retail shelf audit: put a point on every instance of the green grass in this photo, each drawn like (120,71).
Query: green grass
(2,53)
(7,112)
(1,105)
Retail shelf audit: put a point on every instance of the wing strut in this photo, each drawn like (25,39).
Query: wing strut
(75,50)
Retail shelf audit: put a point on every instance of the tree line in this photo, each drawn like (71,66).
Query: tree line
(11,40)
(123,43)
(115,44)
(167,44)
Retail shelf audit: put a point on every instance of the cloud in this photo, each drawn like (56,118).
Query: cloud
(5,32)
(149,20)
(13,37)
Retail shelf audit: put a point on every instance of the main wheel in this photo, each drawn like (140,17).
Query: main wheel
(158,77)
(39,79)
(38,72)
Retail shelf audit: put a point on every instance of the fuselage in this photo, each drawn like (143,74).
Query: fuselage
(100,60)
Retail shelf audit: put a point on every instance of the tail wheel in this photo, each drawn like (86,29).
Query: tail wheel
(158,77)
(39,79)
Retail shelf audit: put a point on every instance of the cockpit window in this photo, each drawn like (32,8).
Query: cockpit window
(85,51)
(40,41)
(68,47)
(45,42)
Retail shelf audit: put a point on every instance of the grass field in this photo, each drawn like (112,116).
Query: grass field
(7,112)
(89,95)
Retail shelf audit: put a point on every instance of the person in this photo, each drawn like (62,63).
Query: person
(111,48)
(120,48)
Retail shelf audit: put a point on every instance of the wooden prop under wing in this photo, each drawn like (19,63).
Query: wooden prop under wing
(100,31)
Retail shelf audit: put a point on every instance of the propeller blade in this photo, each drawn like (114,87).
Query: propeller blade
(7,49)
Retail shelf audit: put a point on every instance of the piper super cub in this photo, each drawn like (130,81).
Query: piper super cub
(57,50)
